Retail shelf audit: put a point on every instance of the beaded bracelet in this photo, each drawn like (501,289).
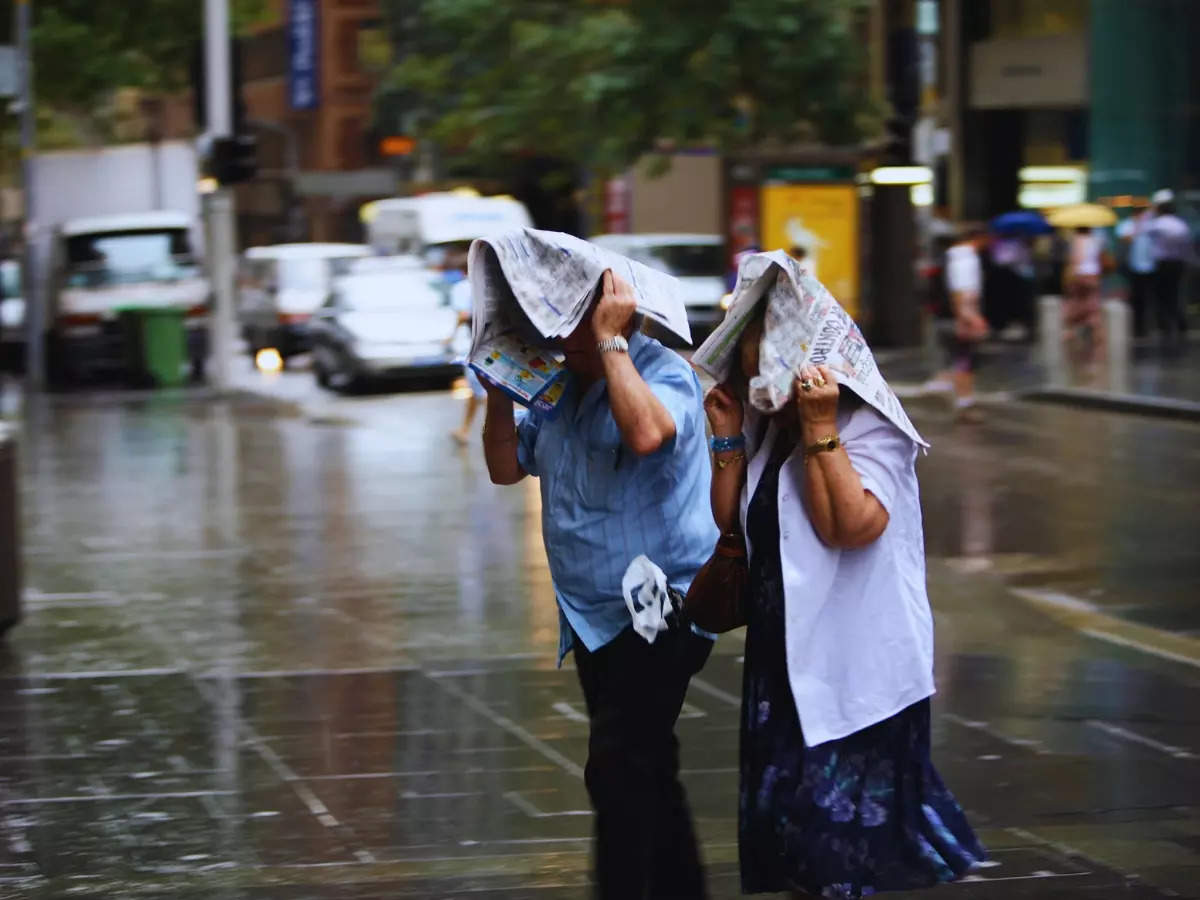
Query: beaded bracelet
(724,444)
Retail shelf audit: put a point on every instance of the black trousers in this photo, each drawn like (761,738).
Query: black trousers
(645,842)
(1172,320)
(1141,300)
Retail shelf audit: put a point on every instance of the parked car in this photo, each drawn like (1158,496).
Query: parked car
(697,260)
(12,316)
(281,286)
(384,323)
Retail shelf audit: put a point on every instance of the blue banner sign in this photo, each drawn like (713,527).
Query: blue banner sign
(304,41)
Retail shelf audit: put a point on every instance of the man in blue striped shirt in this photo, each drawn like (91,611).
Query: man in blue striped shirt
(624,470)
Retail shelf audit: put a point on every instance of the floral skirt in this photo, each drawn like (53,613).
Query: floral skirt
(851,817)
(847,818)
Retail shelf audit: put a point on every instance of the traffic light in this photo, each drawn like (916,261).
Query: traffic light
(234,159)
(898,143)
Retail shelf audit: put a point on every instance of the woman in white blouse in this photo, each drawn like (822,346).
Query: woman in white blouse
(838,794)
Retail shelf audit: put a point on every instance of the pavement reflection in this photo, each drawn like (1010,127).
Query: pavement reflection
(276,654)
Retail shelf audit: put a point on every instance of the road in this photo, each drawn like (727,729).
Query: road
(306,650)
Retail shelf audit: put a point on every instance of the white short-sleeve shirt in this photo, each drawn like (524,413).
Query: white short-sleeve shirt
(859,631)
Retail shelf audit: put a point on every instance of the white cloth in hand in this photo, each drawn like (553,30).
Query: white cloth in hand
(644,586)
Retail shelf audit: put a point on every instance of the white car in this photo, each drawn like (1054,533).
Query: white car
(386,322)
(12,315)
(697,260)
(282,285)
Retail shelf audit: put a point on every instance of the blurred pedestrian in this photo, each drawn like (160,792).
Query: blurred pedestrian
(1134,232)
(964,279)
(1082,288)
(460,301)
(839,797)
(1012,259)
(1171,247)
(624,471)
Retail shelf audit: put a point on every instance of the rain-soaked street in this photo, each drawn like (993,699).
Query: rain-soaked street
(272,653)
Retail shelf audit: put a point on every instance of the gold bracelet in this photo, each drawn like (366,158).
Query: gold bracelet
(827,444)
(729,460)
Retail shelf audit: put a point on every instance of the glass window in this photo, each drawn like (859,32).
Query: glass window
(389,293)
(685,259)
(126,257)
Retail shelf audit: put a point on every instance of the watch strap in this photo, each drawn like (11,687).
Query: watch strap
(616,344)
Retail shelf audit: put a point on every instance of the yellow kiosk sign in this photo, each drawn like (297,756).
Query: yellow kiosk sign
(822,221)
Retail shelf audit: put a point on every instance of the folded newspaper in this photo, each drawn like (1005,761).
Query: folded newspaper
(804,325)
(530,287)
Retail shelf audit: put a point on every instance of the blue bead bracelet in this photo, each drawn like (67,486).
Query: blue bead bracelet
(722,444)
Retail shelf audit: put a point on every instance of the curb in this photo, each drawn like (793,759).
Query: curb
(1159,407)
(1093,622)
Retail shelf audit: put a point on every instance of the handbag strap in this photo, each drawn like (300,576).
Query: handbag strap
(731,545)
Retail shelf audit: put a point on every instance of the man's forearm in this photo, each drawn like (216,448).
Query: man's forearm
(500,440)
(643,421)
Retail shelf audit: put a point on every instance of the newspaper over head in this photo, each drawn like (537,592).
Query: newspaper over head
(804,325)
(530,287)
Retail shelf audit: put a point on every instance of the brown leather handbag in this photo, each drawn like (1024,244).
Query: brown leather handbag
(717,599)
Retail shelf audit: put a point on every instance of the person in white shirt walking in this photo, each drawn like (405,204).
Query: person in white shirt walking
(964,280)
(839,797)
(1171,247)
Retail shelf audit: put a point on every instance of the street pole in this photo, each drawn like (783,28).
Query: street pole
(219,205)
(35,313)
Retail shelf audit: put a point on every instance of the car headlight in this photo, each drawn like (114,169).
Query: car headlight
(726,301)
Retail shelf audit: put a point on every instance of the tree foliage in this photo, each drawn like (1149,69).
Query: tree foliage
(601,82)
(84,49)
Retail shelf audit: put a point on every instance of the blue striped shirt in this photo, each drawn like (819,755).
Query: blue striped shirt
(602,505)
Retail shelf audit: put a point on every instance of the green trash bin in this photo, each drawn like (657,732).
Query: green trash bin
(157,341)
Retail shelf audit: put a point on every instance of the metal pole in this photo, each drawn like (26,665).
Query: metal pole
(219,210)
(35,313)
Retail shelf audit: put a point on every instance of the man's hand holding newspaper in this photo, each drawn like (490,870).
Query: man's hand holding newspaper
(532,287)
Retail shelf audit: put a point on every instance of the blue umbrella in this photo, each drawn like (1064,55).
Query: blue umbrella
(1021,222)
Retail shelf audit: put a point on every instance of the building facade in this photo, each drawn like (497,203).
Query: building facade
(1051,101)
(308,72)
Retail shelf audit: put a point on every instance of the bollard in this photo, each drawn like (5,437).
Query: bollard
(10,551)
(1050,340)
(1118,340)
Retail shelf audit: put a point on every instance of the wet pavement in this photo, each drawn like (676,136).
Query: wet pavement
(305,650)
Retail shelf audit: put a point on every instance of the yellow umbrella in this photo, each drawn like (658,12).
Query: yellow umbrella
(1082,215)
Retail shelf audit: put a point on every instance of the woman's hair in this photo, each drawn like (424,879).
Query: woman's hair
(848,400)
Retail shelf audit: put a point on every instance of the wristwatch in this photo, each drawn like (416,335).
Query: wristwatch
(827,444)
(616,344)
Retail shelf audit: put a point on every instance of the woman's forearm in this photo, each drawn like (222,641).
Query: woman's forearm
(844,514)
(726,491)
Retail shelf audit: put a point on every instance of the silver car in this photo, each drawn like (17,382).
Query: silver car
(386,323)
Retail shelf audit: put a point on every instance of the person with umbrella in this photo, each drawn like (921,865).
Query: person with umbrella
(1012,257)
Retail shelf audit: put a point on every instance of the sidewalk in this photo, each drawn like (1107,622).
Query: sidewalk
(1159,383)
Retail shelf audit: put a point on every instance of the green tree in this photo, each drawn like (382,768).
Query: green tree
(84,50)
(603,82)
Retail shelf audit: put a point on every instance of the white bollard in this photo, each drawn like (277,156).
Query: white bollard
(1118,341)
(1050,340)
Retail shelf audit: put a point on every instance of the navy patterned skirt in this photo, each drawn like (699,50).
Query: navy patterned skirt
(847,818)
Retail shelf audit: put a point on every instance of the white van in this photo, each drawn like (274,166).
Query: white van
(697,260)
(426,224)
(282,285)
(102,264)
